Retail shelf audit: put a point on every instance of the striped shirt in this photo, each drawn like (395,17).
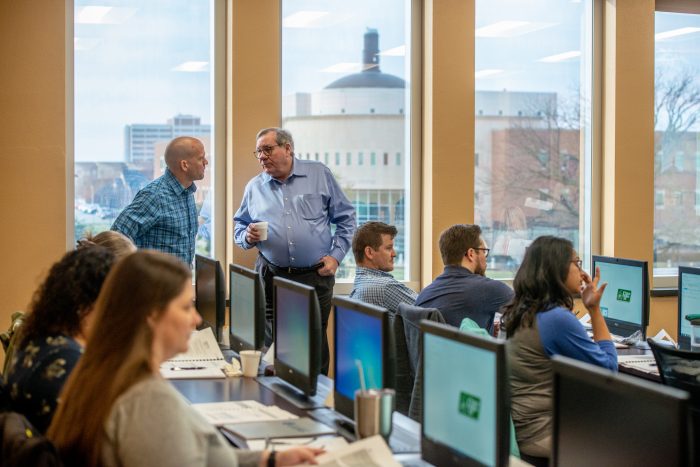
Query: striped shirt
(162,217)
(381,288)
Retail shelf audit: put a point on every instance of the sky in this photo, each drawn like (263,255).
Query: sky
(144,62)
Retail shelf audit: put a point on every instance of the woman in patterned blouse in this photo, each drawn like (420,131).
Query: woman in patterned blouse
(54,333)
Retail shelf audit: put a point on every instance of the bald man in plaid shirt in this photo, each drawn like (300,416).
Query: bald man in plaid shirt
(163,215)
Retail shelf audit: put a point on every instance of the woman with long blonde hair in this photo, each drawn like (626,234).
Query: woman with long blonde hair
(116,409)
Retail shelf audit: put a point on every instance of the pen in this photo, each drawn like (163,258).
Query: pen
(180,368)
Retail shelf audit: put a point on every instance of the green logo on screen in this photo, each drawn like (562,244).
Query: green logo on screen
(469,405)
(624,295)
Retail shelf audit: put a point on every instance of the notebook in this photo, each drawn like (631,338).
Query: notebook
(203,359)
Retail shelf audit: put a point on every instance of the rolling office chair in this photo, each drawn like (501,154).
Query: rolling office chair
(412,315)
(681,369)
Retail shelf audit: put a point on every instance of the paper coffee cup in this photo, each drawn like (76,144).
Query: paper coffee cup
(374,409)
(250,361)
(262,229)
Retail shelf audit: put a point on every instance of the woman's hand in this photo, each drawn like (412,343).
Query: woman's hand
(590,292)
(297,455)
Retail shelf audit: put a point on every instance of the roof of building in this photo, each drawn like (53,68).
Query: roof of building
(368,79)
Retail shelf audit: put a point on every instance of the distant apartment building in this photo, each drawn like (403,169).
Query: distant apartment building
(140,139)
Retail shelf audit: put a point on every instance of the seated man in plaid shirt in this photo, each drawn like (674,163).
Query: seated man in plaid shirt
(163,215)
(373,247)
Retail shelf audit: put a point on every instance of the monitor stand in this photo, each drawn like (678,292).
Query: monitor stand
(292,394)
(345,426)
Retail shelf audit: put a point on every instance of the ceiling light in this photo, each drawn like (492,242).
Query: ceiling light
(675,33)
(561,57)
(343,67)
(399,51)
(487,72)
(303,19)
(92,14)
(192,67)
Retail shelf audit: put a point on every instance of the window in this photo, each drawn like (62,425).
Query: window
(352,59)
(337,158)
(532,98)
(676,141)
(155,86)
(373,158)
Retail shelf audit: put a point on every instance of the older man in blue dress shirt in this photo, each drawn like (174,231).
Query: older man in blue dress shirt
(300,200)
(163,215)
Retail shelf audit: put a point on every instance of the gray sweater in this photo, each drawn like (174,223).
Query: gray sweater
(152,424)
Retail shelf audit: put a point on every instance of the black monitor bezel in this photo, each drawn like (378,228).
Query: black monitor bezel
(434,451)
(641,389)
(237,342)
(219,292)
(683,342)
(303,382)
(343,404)
(625,328)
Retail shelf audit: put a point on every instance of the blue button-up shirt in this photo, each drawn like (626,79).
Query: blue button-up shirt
(299,212)
(162,216)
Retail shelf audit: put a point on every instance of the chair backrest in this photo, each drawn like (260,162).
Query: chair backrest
(412,316)
(405,376)
(9,338)
(678,368)
(22,445)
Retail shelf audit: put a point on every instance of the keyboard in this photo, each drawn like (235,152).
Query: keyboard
(643,363)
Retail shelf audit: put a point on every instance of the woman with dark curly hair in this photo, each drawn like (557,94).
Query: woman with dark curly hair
(540,324)
(54,333)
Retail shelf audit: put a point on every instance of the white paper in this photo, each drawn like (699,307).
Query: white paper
(202,346)
(222,413)
(269,356)
(369,452)
(664,337)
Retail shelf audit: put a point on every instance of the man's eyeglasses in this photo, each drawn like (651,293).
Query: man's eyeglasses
(264,150)
(578,263)
(485,250)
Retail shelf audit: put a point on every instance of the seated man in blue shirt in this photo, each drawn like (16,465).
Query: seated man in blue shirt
(462,290)
(373,247)
(163,215)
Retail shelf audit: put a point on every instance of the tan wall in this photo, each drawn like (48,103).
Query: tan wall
(33,128)
(256,90)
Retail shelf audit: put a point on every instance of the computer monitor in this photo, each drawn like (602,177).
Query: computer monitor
(606,418)
(210,293)
(466,401)
(688,302)
(247,312)
(625,303)
(361,332)
(297,331)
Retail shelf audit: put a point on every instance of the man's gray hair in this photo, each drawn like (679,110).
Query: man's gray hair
(282,136)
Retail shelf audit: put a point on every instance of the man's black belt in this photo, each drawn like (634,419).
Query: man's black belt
(290,269)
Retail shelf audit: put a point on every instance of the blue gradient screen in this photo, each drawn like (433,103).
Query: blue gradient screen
(623,297)
(460,410)
(292,338)
(358,337)
(243,307)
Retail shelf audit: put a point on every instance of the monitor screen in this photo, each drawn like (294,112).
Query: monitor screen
(465,403)
(688,301)
(297,322)
(606,418)
(361,333)
(247,312)
(209,293)
(625,301)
